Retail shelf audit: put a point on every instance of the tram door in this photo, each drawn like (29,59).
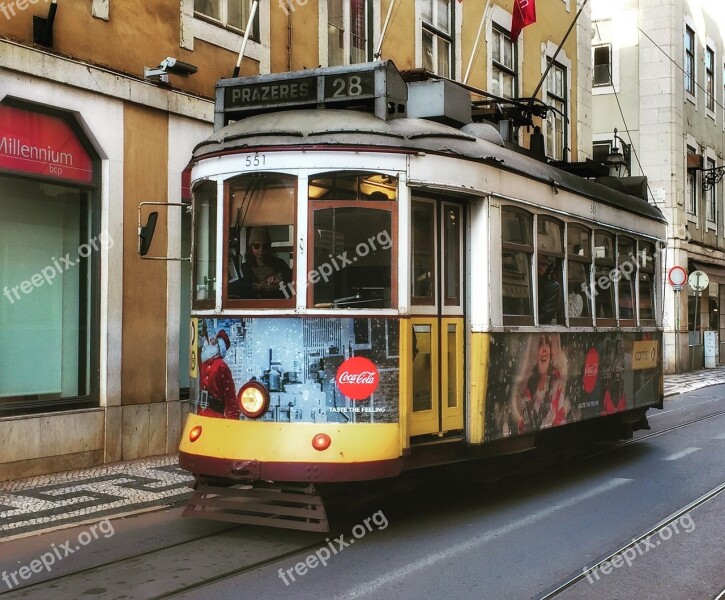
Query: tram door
(436,334)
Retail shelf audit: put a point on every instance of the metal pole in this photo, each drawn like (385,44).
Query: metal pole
(385,30)
(677,331)
(250,22)
(478,41)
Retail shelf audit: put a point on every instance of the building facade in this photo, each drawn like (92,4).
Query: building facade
(94,339)
(658,79)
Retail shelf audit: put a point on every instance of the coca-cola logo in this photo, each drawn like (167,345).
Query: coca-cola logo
(591,370)
(357,378)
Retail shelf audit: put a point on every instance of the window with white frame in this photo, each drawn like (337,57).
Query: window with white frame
(348,41)
(602,72)
(504,63)
(689,60)
(711,196)
(691,191)
(437,36)
(556,97)
(228,13)
(710,78)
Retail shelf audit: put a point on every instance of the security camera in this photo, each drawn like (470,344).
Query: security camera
(169,65)
(177,67)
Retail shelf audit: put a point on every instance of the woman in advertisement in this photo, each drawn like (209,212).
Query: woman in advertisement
(541,400)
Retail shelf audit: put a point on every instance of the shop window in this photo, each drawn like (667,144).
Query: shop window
(579,267)
(49,252)
(517,252)
(261,242)
(351,258)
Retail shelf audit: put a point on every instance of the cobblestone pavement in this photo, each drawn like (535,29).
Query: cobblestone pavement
(51,501)
(61,499)
(681,383)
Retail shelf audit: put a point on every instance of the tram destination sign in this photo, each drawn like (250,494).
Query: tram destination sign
(373,85)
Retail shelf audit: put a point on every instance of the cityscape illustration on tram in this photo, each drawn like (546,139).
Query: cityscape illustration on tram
(381,283)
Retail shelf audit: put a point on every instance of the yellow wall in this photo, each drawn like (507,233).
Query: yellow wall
(143,371)
(138,34)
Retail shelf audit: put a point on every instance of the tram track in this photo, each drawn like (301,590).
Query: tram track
(234,572)
(586,570)
(647,436)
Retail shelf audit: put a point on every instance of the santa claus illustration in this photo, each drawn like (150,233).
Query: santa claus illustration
(218,397)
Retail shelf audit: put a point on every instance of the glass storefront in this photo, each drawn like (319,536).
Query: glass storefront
(50,248)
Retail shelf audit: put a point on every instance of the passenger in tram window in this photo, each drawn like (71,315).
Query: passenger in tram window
(550,312)
(542,402)
(263,275)
(218,396)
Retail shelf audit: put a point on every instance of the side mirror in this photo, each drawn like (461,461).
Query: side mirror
(146,233)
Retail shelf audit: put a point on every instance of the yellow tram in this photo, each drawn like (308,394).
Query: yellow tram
(380,284)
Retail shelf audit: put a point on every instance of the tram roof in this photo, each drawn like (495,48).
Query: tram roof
(333,127)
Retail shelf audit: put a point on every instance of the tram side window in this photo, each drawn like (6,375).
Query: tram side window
(205,210)
(261,238)
(550,269)
(579,261)
(627,275)
(517,251)
(351,258)
(647,272)
(604,280)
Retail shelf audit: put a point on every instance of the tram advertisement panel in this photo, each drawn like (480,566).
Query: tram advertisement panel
(317,370)
(548,379)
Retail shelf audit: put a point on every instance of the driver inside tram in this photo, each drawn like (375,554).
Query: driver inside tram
(262,274)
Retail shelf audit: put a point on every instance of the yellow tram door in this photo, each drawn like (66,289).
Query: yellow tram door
(436,334)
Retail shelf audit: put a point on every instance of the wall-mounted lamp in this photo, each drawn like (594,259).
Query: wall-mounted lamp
(617,160)
(711,177)
(168,66)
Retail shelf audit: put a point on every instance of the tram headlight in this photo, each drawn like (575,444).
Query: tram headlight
(253,399)
(195,433)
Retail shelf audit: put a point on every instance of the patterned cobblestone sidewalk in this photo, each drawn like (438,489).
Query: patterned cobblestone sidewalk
(681,383)
(61,499)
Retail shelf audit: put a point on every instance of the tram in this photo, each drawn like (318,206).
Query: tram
(380,285)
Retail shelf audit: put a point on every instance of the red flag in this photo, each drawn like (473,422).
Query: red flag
(524,14)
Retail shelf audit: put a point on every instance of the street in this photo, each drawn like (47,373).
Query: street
(526,537)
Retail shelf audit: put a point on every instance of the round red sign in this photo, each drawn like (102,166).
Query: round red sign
(357,378)
(591,370)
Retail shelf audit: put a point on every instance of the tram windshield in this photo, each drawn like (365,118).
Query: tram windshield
(261,238)
(351,240)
